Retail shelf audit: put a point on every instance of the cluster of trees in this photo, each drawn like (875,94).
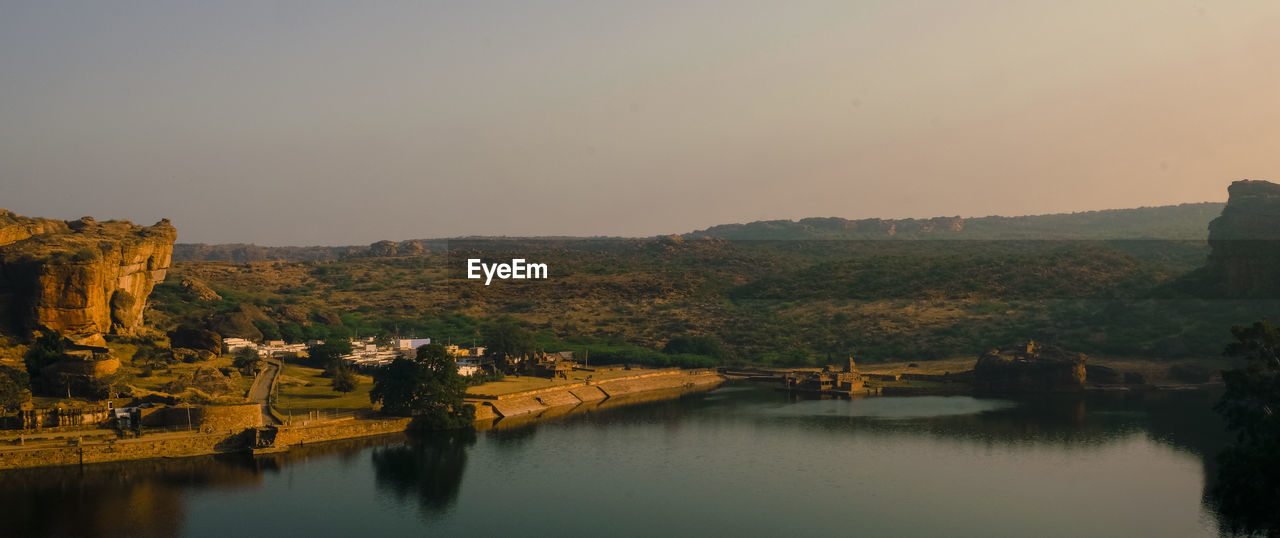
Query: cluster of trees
(329,356)
(14,384)
(427,387)
(1247,489)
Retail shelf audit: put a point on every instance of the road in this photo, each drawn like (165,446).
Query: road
(260,391)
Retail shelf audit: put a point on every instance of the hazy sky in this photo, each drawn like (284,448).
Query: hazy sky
(316,122)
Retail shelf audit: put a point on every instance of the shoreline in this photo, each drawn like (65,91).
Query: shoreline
(521,408)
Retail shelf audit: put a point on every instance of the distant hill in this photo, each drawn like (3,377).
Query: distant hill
(1180,222)
(241,252)
(1188,222)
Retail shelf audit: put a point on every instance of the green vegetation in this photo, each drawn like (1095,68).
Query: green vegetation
(14,384)
(327,355)
(700,302)
(1248,483)
(46,350)
(303,389)
(427,387)
(344,380)
(507,341)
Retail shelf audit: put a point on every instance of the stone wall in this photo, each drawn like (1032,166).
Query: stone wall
(342,429)
(54,417)
(123,449)
(537,402)
(205,418)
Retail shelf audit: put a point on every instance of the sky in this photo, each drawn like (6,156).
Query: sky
(331,123)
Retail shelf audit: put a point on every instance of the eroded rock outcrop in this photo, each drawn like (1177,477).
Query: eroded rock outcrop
(1029,368)
(1245,241)
(196,339)
(240,323)
(80,277)
(384,249)
(208,381)
(199,289)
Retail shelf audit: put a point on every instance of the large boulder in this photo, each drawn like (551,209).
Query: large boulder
(207,380)
(1029,368)
(196,339)
(83,363)
(239,322)
(384,249)
(293,313)
(199,290)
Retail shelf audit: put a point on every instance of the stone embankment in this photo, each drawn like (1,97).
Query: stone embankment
(559,400)
(223,429)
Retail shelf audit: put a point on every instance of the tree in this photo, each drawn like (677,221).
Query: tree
(268,328)
(695,345)
(1251,403)
(1247,488)
(14,388)
(344,380)
(508,341)
(46,350)
(328,355)
(292,333)
(427,386)
(247,361)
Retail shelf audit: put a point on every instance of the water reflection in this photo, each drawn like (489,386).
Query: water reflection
(745,450)
(1246,491)
(144,498)
(426,466)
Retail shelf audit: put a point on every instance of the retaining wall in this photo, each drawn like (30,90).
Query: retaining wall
(538,402)
(170,446)
(342,429)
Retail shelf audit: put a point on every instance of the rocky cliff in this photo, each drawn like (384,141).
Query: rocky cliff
(1029,368)
(1245,241)
(80,277)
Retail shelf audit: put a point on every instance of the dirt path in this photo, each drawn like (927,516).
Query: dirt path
(261,390)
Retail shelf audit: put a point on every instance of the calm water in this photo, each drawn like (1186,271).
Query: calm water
(740,460)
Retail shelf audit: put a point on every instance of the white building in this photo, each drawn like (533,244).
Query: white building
(411,343)
(236,344)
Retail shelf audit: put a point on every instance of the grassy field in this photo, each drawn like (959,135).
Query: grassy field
(303,389)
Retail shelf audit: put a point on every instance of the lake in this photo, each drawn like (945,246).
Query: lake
(739,460)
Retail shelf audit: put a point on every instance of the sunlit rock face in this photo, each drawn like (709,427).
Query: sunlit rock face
(80,277)
(1245,241)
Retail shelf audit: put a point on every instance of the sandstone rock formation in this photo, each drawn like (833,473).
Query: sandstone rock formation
(196,339)
(209,381)
(80,277)
(199,289)
(1029,368)
(1245,241)
(383,249)
(239,323)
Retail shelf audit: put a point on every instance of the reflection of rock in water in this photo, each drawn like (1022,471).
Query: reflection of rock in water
(137,498)
(427,466)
